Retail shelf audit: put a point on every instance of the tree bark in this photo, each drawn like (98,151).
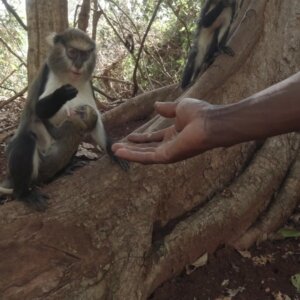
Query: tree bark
(43,17)
(84,15)
(115,235)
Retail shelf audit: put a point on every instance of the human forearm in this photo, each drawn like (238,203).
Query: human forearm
(273,111)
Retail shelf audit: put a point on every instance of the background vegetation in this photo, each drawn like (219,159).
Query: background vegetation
(163,52)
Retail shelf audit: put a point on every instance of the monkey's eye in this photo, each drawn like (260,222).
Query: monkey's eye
(85,54)
(72,52)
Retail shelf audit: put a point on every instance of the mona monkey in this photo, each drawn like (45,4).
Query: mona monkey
(67,139)
(62,86)
(129,42)
(211,36)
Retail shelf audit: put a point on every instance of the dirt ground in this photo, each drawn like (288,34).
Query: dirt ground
(263,272)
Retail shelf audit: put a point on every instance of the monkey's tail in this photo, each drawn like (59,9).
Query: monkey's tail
(6,191)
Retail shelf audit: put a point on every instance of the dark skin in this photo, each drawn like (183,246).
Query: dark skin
(200,126)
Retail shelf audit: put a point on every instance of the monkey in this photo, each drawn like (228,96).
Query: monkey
(129,42)
(211,36)
(67,139)
(62,85)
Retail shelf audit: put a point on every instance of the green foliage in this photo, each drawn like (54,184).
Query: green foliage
(165,48)
(164,51)
(295,279)
(289,233)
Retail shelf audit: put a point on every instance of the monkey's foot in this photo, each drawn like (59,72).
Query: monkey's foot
(3,199)
(74,164)
(227,50)
(124,164)
(36,200)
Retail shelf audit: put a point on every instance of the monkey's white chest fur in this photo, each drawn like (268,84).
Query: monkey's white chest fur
(84,96)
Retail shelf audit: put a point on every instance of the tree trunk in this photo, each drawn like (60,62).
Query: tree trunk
(43,17)
(115,235)
(84,15)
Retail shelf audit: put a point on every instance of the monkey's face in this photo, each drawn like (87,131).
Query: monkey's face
(73,56)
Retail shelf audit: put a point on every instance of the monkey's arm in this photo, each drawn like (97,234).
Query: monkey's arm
(207,19)
(51,104)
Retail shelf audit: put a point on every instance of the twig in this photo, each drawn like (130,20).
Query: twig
(12,52)
(5,135)
(75,15)
(10,74)
(103,93)
(121,39)
(8,128)
(128,17)
(113,79)
(14,13)
(134,79)
(111,25)
(13,97)
(181,21)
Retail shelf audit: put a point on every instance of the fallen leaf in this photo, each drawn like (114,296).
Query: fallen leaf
(289,232)
(295,279)
(263,259)
(225,282)
(280,296)
(200,262)
(234,292)
(245,254)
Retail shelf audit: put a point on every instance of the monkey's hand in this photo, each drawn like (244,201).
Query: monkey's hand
(66,92)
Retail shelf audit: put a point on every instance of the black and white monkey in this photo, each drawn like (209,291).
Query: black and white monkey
(61,87)
(211,36)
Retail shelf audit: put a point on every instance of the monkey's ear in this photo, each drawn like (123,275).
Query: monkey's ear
(53,38)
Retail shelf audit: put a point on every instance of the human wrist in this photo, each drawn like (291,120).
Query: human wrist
(212,126)
(224,125)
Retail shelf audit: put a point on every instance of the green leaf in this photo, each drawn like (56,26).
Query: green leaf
(295,279)
(289,233)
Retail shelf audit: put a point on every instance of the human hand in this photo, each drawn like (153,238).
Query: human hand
(186,138)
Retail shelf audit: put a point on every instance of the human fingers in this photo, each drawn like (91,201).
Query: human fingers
(155,136)
(166,109)
(144,157)
(136,147)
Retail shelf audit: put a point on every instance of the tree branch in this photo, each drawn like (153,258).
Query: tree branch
(134,79)
(10,74)
(181,21)
(14,13)
(113,79)
(128,17)
(12,52)
(13,97)
(75,15)
(84,14)
(103,93)
(96,16)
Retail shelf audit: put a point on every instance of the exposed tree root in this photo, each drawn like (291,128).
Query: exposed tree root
(228,215)
(140,106)
(96,240)
(278,212)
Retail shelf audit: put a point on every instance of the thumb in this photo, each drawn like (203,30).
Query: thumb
(166,109)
